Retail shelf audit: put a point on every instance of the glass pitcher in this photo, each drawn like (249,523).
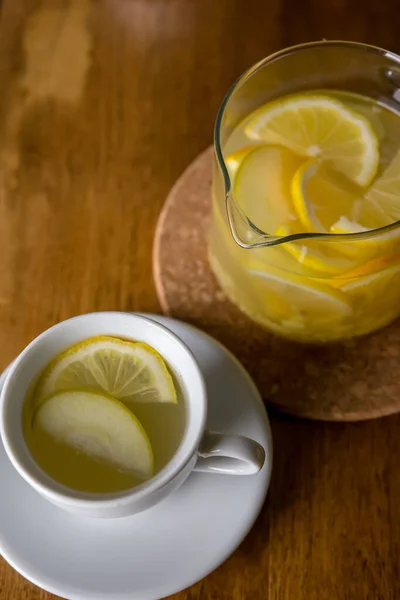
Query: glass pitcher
(305,235)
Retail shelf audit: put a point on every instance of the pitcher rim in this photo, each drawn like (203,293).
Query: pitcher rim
(267,239)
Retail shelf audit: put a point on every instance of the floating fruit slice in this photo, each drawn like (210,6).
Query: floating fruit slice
(375,266)
(322,258)
(371,278)
(300,302)
(381,247)
(129,371)
(384,195)
(98,426)
(262,186)
(385,243)
(375,298)
(321,127)
(375,295)
(322,206)
(319,200)
(235,159)
(344,225)
(379,207)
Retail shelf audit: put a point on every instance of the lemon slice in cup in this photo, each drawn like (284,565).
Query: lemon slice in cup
(323,128)
(128,371)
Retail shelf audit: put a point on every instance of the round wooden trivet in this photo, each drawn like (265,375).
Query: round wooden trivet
(356,380)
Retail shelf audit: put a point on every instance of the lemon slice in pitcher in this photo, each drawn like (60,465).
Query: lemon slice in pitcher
(325,205)
(300,302)
(384,195)
(321,127)
(320,258)
(380,206)
(128,371)
(380,288)
(319,200)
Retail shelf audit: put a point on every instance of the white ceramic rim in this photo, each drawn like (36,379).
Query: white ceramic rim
(59,493)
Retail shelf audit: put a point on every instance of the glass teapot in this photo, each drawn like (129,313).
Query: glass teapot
(305,235)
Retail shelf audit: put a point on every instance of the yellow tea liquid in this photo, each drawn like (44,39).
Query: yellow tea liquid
(163,423)
(287,184)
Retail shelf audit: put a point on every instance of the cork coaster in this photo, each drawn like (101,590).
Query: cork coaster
(356,380)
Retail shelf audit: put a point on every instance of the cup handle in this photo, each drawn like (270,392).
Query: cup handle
(229,454)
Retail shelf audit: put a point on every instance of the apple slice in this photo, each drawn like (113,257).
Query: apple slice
(99,426)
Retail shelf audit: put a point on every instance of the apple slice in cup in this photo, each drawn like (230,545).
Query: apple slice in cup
(98,426)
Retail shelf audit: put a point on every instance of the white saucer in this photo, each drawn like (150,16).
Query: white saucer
(158,552)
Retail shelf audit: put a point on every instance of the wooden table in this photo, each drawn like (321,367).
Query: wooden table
(102,105)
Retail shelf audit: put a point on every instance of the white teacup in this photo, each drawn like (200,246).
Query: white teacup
(199,449)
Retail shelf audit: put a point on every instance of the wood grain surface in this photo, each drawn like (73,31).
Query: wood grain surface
(102,105)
